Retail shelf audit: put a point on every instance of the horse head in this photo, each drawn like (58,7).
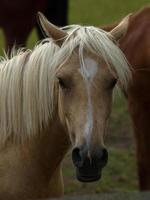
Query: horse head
(85,80)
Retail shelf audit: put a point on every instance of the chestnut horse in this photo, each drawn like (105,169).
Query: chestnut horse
(57,96)
(136,47)
(17,18)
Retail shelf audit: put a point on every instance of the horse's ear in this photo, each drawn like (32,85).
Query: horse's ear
(121,29)
(50,30)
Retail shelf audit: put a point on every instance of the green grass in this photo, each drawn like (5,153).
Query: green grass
(98,12)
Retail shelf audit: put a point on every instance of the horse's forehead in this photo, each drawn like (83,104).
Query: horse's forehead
(91,67)
(87,67)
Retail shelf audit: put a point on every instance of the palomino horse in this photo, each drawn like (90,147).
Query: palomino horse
(56,96)
(136,47)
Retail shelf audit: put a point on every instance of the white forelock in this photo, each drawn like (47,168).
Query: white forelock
(100,43)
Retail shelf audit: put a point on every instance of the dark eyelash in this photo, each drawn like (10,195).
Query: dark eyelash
(114,82)
(62,83)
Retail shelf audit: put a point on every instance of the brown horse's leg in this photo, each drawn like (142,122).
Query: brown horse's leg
(17,35)
(140,113)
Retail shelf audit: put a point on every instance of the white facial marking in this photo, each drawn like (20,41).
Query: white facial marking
(88,71)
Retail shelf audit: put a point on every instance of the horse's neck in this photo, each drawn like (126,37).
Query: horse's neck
(33,162)
(51,145)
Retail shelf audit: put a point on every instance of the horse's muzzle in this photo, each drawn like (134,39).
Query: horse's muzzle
(89,165)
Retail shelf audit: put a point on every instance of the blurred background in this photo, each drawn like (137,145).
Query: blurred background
(120,173)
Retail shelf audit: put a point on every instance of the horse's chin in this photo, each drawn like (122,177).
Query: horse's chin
(87,178)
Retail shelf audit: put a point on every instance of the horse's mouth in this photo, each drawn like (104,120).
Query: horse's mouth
(88,178)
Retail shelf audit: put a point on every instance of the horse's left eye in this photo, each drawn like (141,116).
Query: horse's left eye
(62,83)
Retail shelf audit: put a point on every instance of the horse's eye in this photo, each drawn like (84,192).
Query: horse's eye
(62,83)
(113,83)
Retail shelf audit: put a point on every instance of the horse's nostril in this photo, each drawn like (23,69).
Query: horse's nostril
(89,162)
(77,157)
(98,158)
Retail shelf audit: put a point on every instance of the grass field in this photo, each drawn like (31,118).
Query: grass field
(98,12)
(120,173)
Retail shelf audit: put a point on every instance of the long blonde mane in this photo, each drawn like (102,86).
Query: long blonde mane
(27,80)
(26,90)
